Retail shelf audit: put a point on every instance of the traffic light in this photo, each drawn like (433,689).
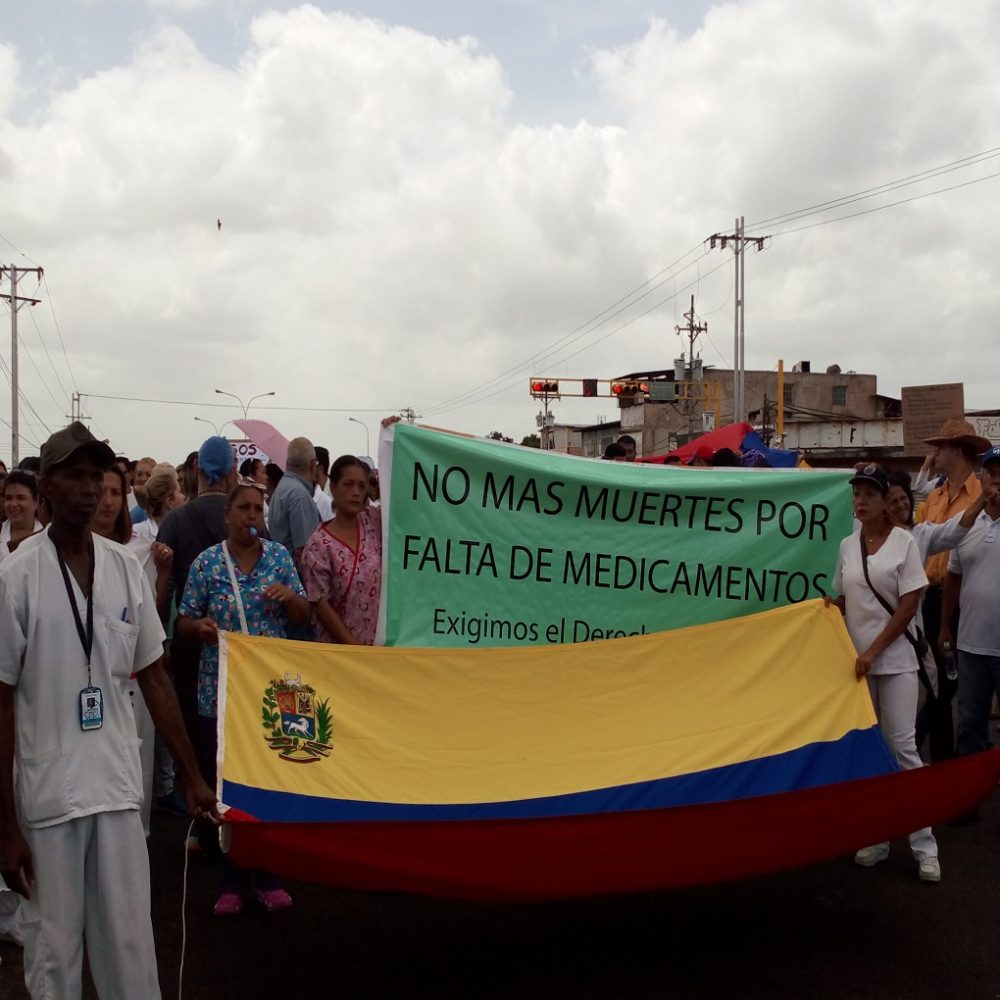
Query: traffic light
(629,388)
(544,387)
(590,386)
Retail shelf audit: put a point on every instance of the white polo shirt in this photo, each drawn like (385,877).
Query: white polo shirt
(62,771)
(323,503)
(977,560)
(896,569)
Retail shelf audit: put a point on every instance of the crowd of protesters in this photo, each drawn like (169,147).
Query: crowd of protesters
(122,574)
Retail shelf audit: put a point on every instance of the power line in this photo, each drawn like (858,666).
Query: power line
(537,359)
(34,364)
(893,204)
(474,394)
(652,308)
(810,412)
(55,320)
(59,405)
(229,406)
(17,396)
(20,395)
(604,316)
(586,347)
(841,202)
(11,243)
(21,434)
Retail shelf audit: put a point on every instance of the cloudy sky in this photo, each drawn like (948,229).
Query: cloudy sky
(424,204)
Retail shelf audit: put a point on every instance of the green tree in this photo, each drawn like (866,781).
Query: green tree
(531,441)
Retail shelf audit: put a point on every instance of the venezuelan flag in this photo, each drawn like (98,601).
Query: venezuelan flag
(713,713)
(680,758)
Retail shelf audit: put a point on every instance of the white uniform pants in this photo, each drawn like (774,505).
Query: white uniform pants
(895,699)
(8,908)
(91,877)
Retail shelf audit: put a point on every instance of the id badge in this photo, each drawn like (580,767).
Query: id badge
(91,708)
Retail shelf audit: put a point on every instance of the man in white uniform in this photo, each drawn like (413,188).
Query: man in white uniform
(77,618)
(973,575)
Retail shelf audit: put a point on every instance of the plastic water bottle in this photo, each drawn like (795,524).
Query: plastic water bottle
(950,662)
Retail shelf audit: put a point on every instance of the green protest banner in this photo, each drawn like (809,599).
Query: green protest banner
(490,544)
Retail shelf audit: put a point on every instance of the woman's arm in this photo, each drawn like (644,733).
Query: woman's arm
(296,607)
(193,621)
(163,560)
(922,485)
(837,602)
(317,576)
(949,601)
(942,537)
(197,630)
(333,623)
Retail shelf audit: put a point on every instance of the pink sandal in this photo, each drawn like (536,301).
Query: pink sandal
(273,899)
(229,904)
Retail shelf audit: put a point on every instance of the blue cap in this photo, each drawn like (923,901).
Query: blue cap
(993,455)
(216,459)
(874,475)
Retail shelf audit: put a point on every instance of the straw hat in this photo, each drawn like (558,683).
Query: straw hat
(959,432)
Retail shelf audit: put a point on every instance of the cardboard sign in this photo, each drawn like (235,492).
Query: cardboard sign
(925,409)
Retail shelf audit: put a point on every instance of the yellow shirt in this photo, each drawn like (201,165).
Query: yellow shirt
(939,507)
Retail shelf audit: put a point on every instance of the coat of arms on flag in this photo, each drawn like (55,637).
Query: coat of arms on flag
(297,726)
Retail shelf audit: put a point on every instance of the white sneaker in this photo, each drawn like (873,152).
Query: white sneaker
(929,870)
(868,857)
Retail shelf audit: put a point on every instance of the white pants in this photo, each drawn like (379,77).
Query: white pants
(895,699)
(8,908)
(146,732)
(91,877)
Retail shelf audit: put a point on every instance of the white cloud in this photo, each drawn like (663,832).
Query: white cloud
(9,70)
(392,236)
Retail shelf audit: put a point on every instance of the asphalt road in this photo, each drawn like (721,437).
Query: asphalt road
(829,931)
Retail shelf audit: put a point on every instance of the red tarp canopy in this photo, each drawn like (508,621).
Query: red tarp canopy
(731,436)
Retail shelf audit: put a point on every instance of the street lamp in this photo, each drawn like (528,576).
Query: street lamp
(217,429)
(368,439)
(244,407)
(209,422)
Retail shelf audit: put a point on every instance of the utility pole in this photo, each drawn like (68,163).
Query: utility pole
(76,408)
(693,330)
(545,421)
(15,300)
(738,240)
(780,417)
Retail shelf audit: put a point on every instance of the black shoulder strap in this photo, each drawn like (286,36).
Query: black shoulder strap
(878,597)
